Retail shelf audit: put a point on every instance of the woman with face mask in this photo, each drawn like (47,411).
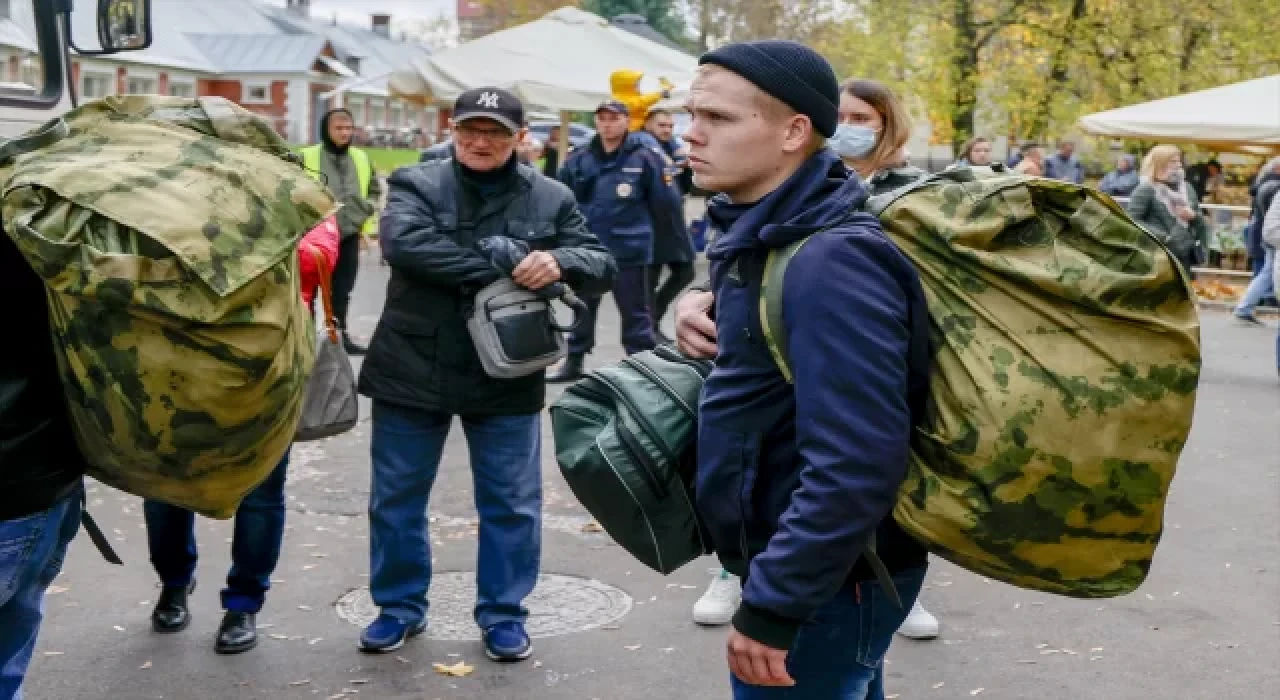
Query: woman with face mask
(872,135)
(1167,206)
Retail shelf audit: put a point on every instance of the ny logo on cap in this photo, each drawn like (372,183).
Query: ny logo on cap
(488,100)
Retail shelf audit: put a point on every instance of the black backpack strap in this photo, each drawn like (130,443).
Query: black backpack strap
(95,533)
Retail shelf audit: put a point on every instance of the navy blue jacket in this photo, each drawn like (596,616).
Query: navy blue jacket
(623,195)
(793,480)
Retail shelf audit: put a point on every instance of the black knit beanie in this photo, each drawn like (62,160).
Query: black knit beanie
(792,72)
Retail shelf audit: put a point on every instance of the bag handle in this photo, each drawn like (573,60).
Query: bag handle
(46,135)
(326,294)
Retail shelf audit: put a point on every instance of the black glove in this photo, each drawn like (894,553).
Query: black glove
(503,253)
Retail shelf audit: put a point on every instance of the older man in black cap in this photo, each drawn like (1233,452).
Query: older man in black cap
(452,227)
(800,452)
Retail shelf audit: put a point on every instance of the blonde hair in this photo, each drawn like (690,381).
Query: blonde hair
(897,123)
(1157,159)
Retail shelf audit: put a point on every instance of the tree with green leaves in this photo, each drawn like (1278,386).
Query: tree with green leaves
(662,15)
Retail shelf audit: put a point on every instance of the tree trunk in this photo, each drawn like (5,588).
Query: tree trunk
(964,74)
(1058,76)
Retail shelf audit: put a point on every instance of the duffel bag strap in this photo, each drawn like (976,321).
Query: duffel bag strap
(881,571)
(47,135)
(95,533)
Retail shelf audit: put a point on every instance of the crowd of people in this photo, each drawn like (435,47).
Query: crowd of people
(791,150)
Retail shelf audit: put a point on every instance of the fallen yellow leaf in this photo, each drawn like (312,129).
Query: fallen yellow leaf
(457,670)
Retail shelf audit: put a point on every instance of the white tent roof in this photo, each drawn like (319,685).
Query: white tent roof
(1240,117)
(559,62)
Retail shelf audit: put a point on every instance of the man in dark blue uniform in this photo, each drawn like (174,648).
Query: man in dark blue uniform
(623,190)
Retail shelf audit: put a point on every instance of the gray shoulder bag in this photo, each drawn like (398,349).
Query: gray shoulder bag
(329,407)
(515,330)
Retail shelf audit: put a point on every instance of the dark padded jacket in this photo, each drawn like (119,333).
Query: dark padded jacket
(421,355)
(39,461)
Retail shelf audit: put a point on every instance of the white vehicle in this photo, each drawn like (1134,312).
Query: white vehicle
(38,33)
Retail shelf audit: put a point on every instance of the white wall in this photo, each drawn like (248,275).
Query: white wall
(298,111)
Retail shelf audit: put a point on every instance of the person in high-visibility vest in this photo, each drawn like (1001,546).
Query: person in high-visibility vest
(348,172)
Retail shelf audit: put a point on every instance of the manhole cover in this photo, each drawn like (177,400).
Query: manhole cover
(558,605)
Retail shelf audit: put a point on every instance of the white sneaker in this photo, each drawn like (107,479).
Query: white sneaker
(920,624)
(717,606)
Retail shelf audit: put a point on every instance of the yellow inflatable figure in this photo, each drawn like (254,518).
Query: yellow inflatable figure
(625,85)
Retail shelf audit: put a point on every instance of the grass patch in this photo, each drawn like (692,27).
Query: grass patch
(386,160)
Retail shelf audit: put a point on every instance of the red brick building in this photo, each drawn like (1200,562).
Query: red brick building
(276,61)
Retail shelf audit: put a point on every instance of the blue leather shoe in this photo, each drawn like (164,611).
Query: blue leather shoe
(507,641)
(388,633)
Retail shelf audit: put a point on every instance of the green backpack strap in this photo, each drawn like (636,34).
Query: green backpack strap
(775,269)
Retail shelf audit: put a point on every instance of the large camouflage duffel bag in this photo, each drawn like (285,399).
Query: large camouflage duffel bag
(1066,355)
(166,231)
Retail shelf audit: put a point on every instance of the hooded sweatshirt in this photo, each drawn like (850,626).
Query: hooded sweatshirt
(341,177)
(794,479)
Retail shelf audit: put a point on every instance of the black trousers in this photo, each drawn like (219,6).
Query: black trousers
(344,276)
(631,294)
(662,295)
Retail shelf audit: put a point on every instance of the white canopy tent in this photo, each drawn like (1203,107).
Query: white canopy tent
(559,62)
(1243,117)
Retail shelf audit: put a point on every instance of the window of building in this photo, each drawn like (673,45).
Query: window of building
(356,107)
(257,93)
(181,89)
(397,116)
(5,11)
(32,71)
(377,113)
(95,85)
(140,86)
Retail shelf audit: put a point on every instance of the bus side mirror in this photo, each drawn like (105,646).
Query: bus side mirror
(123,25)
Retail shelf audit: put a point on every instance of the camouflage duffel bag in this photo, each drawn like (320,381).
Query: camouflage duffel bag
(1066,356)
(166,231)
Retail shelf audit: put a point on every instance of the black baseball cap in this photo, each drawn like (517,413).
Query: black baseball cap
(490,103)
(613,106)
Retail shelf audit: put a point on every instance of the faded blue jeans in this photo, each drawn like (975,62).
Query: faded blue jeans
(506,468)
(31,553)
(839,653)
(1262,286)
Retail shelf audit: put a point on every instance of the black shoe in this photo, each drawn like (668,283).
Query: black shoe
(351,346)
(171,613)
(237,633)
(569,371)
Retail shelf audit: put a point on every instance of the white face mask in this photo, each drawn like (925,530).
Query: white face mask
(854,141)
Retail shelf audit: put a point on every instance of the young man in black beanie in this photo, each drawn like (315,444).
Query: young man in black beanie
(796,477)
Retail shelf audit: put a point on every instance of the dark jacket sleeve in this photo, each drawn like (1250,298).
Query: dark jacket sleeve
(1139,209)
(412,242)
(850,344)
(585,264)
(1198,226)
(665,204)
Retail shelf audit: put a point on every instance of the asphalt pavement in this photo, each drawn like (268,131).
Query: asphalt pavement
(1205,625)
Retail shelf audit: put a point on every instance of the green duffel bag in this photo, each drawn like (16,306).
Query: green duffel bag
(625,439)
(166,231)
(1066,356)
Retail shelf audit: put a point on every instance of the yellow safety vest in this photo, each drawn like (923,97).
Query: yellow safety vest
(364,175)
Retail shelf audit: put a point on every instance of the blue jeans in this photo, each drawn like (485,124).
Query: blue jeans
(506,466)
(839,654)
(1261,287)
(31,553)
(255,546)
(631,294)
